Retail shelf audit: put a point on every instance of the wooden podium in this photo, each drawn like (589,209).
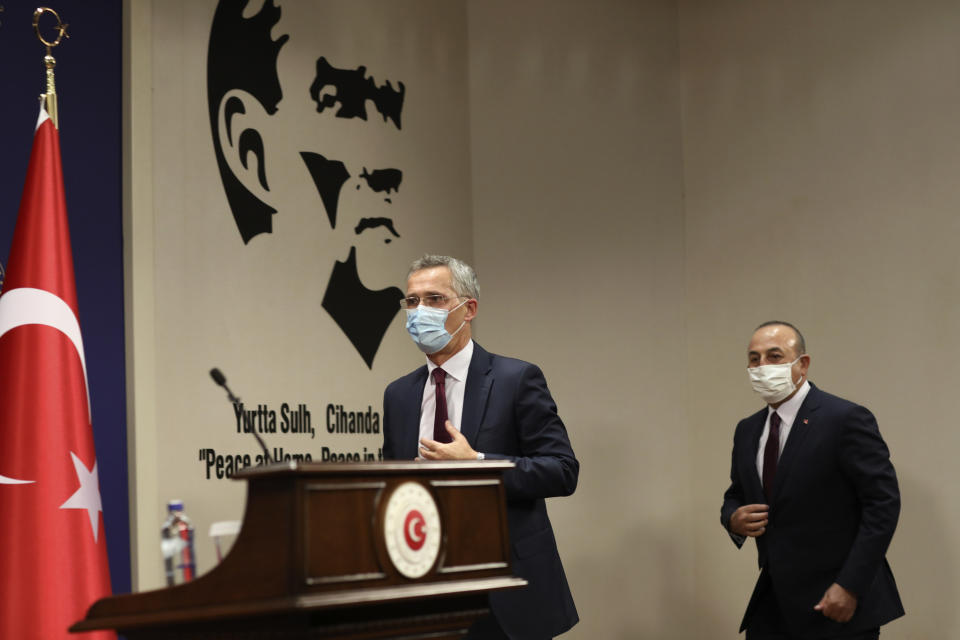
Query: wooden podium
(341,550)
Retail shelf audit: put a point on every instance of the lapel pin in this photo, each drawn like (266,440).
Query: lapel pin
(806,421)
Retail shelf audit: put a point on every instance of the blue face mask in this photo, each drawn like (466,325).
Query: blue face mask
(428,327)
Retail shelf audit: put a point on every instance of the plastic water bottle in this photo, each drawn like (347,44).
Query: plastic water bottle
(176,544)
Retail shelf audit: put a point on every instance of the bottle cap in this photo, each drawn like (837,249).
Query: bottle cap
(175,505)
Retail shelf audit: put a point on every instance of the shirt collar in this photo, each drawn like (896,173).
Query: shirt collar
(457,365)
(788,410)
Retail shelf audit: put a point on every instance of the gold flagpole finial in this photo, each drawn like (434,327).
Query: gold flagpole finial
(50,97)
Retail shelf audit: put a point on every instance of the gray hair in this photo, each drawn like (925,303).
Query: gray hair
(801,343)
(463,276)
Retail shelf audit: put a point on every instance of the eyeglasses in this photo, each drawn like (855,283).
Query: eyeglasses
(433,300)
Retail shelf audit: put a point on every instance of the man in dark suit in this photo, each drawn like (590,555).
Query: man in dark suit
(468,404)
(812,482)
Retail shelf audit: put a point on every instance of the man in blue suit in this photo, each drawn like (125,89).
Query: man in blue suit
(812,482)
(468,404)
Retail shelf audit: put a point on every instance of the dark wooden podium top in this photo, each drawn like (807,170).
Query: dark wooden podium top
(324,542)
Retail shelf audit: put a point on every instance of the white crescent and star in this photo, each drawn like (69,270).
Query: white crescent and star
(24,306)
(415,529)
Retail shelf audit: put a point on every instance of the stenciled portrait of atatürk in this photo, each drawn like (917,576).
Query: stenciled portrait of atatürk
(349,150)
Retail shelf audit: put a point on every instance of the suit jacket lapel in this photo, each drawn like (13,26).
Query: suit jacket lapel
(411,419)
(798,433)
(475,394)
(756,429)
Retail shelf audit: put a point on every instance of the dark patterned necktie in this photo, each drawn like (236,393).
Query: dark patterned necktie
(770,454)
(440,417)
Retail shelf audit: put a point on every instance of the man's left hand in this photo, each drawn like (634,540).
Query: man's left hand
(837,603)
(459,449)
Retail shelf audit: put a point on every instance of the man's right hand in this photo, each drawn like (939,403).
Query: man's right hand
(749,520)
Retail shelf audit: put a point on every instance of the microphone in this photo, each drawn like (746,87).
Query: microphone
(221,380)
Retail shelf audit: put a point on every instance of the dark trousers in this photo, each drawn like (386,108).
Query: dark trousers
(871,634)
(487,628)
(767,623)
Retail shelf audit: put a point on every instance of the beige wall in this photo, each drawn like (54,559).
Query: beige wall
(816,183)
(820,162)
(578,232)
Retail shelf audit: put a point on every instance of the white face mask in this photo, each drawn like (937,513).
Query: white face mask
(773,382)
(428,327)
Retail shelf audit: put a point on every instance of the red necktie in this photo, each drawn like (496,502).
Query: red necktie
(440,417)
(770,454)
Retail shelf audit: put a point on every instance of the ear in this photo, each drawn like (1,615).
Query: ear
(240,120)
(471,306)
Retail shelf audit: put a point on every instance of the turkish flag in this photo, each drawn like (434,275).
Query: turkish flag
(53,552)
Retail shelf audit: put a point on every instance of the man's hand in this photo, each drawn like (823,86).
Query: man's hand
(837,603)
(459,449)
(749,520)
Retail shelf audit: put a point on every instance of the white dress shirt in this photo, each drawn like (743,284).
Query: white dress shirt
(456,382)
(788,413)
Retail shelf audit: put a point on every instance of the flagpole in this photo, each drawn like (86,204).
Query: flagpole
(49,98)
